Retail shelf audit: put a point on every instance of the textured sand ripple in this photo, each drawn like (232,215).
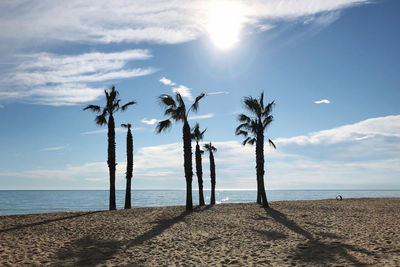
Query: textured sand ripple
(291,233)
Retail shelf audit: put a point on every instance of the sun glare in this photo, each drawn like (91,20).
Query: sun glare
(224,24)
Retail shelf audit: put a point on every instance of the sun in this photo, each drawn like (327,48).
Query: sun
(224,24)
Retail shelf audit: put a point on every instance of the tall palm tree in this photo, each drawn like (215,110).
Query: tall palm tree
(252,128)
(106,116)
(176,110)
(129,165)
(211,149)
(198,135)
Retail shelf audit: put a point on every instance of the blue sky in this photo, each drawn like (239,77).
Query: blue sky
(333,68)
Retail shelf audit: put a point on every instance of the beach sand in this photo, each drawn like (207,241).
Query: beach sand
(291,233)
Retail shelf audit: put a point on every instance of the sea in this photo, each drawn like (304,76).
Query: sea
(44,201)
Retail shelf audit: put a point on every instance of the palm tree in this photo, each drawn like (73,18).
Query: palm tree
(175,109)
(255,125)
(106,116)
(129,165)
(211,149)
(198,136)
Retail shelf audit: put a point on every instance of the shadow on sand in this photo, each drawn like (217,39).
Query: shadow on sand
(314,251)
(18,227)
(89,251)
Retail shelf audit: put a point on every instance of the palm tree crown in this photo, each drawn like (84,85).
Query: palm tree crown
(197,135)
(210,148)
(111,107)
(175,109)
(260,118)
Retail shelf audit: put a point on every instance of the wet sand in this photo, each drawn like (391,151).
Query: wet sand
(291,233)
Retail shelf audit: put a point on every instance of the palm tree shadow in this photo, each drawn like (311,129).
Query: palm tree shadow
(315,251)
(21,226)
(90,251)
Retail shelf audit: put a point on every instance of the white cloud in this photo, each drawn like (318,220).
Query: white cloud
(167,82)
(348,162)
(200,117)
(185,92)
(56,148)
(388,126)
(323,101)
(117,130)
(218,93)
(158,21)
(57,80)
(149,122)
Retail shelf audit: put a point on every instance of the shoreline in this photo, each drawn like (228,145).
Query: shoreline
(361,231)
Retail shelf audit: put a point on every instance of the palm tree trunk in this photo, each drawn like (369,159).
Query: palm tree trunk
(260,166)
(111,160)
(212,175)
(129,168)
(199,172)
(187,163)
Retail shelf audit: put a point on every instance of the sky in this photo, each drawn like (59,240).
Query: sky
(332,68)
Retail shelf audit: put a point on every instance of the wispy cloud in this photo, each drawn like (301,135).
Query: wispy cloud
(55,148)
(117,130)
(167,81)
(323,101)
(56,80)
(200,117)
(218,93)
(149,122)
(170,22)
(388,126)
(184,91)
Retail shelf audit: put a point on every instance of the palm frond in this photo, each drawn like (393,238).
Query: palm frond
(195,105)
(252,105)
(267,121)
(101,119)
(115,105)
(124,107)
(252,141)
(243,118)
(271,143)
(241,132)
(179,114)
(167,100)
(179,99)
(127,125)
(163,125)
(93,108)
(262,100)
(246,140)
(268,109)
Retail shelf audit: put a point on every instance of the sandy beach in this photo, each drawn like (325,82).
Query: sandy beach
(291,233)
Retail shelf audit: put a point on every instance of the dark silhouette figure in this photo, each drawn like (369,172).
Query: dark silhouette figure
(198,135)
(111,107)
(255,126)
(129,165)
(210,148)
(175,109)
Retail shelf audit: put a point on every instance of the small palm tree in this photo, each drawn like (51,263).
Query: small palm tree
(198,135)
(255,125)
(129,164)
(106,116)
(175,109)
(211,149)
